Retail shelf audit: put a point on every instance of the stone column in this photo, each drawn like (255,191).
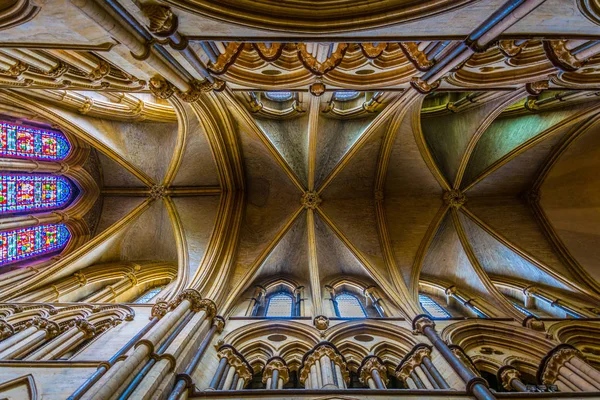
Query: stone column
(236,365)
(510,379)
(276,373)
(373,373)
(475,385)
(570,310)
(120,372)
(325,366)
(299,301)
(81,330)
(417,366)
(255,301)
(372,293)
(564,366)
(184,380)
(37,331)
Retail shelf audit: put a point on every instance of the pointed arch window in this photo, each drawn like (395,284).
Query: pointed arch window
(523,309)
(279,305)
(28,192)
(348,306)
(148,295)
(432,308)
(22,244)
(23,141)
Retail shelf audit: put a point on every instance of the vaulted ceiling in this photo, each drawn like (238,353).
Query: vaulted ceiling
(486,176)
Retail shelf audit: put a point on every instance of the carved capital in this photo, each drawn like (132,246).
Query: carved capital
(52,328)
(421,322)
(278,364)
(6,329)
(237,361)
(86,327)
(534,323)
(319,351)
(317,89)
(209,306)
(161,88)
(506,374)
(321,322)
(196,90)
(81,278)
(159,310)
(369,364)
(455,198)
(553,362)
(100,71)
(310,200)
(191,295)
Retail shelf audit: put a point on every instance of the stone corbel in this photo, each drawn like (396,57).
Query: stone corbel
(6,329)
(560,56)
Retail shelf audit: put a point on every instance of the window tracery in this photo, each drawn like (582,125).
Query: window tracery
(348,306)
(432,308)
(22,244)
(22,141)
(28,192)
(279,305)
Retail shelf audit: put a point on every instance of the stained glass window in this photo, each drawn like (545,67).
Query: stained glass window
(279,96)
(28,142)
(21,244)
(33,192)
(432,307)
(280,305)
(348,306)
(346,95)
(523,309)
(148,295)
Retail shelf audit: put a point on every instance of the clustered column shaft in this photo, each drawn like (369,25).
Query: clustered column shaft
(565,367)
(324,368)
(233,372)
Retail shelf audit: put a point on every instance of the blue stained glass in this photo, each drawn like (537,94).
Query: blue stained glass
(346,95)
(21,244)
(279,96)
(22,141)
(432,307)
(26,192)
(280,305)
(348,306)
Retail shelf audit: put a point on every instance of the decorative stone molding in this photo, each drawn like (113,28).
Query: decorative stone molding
(81,278)
(455,198)
(560,56)
(160,87)
(420,323)
(413,359)
(100,71)
(506,374)
(509,48)
(554,360)
(6,329)
(276,363)
(370,363)
(225,60)
(17,13)
(236,360)
(52,328)
(321,322)
(209,306)
(86,327)
(162,21)
(310,200)
(371,51)
(423,87)
(534,323)
(196,90)
(159,310)
(321,68)
(317,89)
(535,88)
(219,323)
(415,56)
(320,350)
(193,296)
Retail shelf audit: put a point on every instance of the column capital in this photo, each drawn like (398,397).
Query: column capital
(553,361)
(506,374)
(236,360)
(6,329)
(279,364)
(320,350)
(159,310)
(88,329)
(52,328)
(370,363)
(192,295)
(421,322)
(412,359)
(219,322)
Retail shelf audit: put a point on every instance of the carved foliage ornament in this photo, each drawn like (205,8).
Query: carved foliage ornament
(557,358)
(321,322)
(234,359)
(162,20)
(6,329)
(415,56)
(412,360)
(455,198)
(225,60)
(560,56)
(506,375)
(279,365)
(366,370)
(316,354)
(321,68)
(310,200)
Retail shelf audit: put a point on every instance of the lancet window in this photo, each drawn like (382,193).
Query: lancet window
(348,306)
(34,143)
(28,192)
(279,305)
(432,308)
(148,295)
(22,244)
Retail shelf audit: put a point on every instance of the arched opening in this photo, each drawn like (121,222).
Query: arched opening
(280,305)
(347,305)
(432,307)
